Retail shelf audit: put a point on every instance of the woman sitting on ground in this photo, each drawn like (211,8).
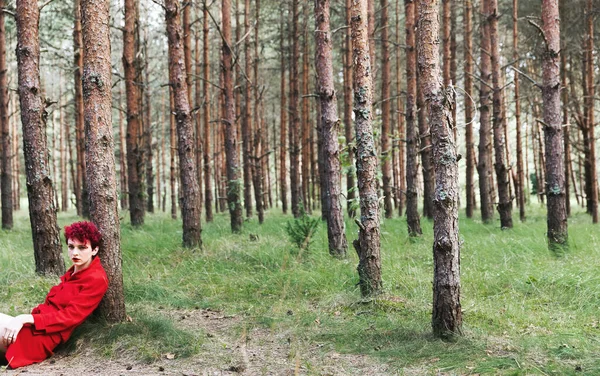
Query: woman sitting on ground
(28,339)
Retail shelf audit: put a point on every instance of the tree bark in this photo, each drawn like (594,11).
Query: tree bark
(231,149)
(368,243)
(400,135)
(447,314)
(42,209)
(553,132)
(500,166)
(258,137)
(425,150)
(566,136)
(148,146)
(350,181)
(412,132)
(329,129)
(81,195)
(172,154)
(100,163)
(305,127)
(123,156)
(283,126)
(483,167)
(7,156)
(592,197)
(134,138)
(208,197)
(247,116)
(520,178)
(190,198)
(469,113)
(294,120)
(386,109)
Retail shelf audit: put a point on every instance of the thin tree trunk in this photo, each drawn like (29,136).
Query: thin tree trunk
(283,126)
(64,128)
(520,178)
(17,161)
(173,149)
(6,147)
(566,136)
(247,117)
(231,149)
(196,113)
(348,126)
(555,171)
(590,105)
(134,147)
(42,209)
(425,151)
(258,144)
(368,243)
(447,313)
(190,198)
(483,167)
(148,149)
(469,111)
(294,121)
(386,109)
(187,46)
(305,122)
(400,136)
(208,197)
(100,164)
(81,199)
(329,128)
(412,132)
(123,157)
(500,166)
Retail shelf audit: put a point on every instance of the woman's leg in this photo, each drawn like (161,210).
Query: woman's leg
(4,319)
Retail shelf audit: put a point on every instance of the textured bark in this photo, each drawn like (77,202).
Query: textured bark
(148,148)
(283,128)
(555,171)
(567,142)
(187,45)
(350,181)
(469,111)
(42,209)
(259,156)
(16,161)
(412,135)
(208,196)
(386,109)
(400,135)
(500,165)
(592,176)
(135,177)
(294,118)
(520,178)
(190,198)
(305,122)
(6,145)
(368,243)
(247,117)
(100,163)
(123,156)
(329,129)
(64,129)
(447,314)
(172,154)
(81,197)
(485,145)
(231,149)
(425,151)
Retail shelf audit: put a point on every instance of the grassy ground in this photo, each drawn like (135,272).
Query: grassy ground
(526,310)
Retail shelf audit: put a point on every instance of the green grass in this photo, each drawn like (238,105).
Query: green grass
(526,310)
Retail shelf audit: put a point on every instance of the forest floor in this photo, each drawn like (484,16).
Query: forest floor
(258,351)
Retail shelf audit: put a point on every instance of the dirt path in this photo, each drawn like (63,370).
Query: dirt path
(223,352)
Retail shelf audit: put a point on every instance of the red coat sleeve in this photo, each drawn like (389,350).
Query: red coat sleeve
(80,306)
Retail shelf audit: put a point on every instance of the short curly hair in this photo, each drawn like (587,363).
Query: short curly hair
(83,231)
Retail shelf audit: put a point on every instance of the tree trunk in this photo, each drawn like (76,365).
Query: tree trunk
(100,163)
(190,198)
(64,128)
(123,156)
(483,167)
(500,166)
(329,129)
(283,127)
(17,162)
(447,314)
(259,145)
(187,46)
(412,132)
(592,198)
(305,123)
(368,243)
(520,178)
(42,209)
(294,122)
(208,197)
(425,151)
(172,148)
(400,135)
(247,116)
(469,113)
(350,183)
(134,138)
(81,196)
(148,149)
(386,109)
(6,147)
(231,149)
(196,113)
(555,171)
(566,137)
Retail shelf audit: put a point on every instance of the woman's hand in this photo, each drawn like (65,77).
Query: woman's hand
(14,327)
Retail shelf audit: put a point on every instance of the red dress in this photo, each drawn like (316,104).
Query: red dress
(66,306)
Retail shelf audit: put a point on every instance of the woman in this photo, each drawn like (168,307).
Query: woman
(27,339)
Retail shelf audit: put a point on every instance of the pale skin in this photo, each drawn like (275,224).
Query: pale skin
(81,254)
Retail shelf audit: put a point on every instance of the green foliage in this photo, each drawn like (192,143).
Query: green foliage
(301,230)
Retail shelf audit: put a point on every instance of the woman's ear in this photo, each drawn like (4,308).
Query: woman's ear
(95,251)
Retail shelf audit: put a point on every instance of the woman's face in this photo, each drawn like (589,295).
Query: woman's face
(81,253)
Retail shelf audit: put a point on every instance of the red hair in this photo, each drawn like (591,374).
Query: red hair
(83,231)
